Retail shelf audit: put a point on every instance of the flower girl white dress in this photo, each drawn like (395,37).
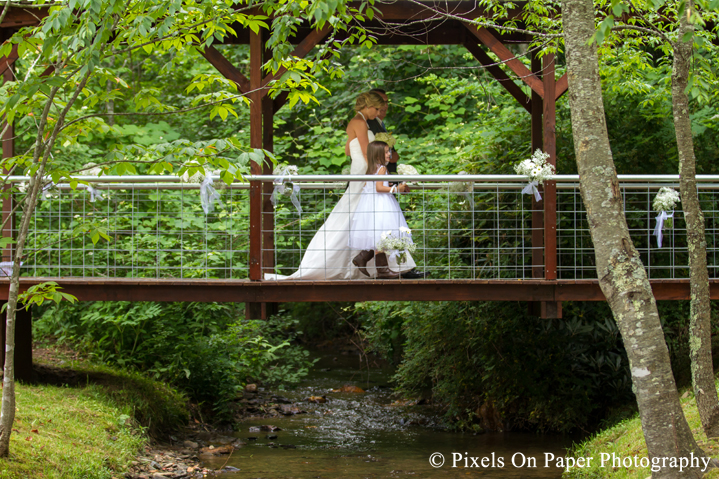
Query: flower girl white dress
(376,214)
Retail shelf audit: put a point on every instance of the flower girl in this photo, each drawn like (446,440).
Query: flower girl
(378,214)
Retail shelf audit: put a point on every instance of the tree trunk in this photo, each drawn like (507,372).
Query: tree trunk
(700,351)
(621,273)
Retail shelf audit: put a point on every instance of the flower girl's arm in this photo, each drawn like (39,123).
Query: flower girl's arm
(381,188)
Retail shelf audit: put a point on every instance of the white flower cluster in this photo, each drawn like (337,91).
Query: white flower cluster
(198,177)
(386,137)
(461,186)
(536,167)
(389,243)
(91,169)
(286,170)
(403,169)
(666,200)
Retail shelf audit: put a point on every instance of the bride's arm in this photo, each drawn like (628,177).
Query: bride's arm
(360,128)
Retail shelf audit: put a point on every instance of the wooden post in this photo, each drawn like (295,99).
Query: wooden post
(254,310)
(268,210)
(550,309)
(8,150)
(537,206)
(535,308)
(23,318)
(23,343)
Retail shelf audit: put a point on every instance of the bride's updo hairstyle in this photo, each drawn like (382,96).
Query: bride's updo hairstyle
(369,99)
(375,156)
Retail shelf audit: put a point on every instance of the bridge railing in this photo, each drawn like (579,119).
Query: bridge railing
(465,227)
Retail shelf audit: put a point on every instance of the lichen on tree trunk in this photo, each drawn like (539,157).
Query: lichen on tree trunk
(700,313)
(621,273)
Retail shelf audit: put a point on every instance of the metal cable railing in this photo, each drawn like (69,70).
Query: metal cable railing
(465,227)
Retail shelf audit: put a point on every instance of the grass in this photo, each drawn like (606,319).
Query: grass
(89,425)
(63,432)
(625,439)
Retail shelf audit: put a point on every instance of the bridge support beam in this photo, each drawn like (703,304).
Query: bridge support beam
(23,344)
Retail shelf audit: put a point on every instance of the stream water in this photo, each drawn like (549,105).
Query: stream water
(368,435)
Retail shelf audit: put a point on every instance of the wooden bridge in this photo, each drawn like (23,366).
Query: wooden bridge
(538,277)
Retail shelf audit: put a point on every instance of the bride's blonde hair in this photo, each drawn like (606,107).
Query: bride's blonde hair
(375,156)
(369,99)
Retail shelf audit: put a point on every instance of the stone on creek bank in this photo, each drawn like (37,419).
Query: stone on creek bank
(317,399)
(348,389)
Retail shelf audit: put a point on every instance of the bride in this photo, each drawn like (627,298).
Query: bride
(328,256)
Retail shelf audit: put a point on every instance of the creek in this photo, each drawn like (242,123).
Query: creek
(372,435)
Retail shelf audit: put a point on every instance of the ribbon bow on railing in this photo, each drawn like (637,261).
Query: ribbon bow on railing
(45,192)
(208,195)
(531,189)
(94,194)
(661,218)
(280,188)
(6,268)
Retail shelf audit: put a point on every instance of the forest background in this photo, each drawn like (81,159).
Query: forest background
(449,116)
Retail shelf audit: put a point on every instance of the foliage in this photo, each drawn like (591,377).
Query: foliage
(204,349)
(544,374)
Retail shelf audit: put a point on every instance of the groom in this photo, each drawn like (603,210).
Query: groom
(377,126)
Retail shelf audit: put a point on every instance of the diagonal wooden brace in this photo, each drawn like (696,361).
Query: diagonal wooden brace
(499,75)
(6,62)
(304,47)
(227,69)
(511,60)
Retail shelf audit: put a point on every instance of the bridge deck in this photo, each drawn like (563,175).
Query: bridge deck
(208,290)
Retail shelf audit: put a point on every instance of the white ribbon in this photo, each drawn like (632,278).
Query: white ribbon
(6,268)
(94,194)
(531,189)
(208,195)
(663,216)
(470,197)
(45,192)
(280,189)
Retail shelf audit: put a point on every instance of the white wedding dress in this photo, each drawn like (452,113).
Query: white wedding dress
(328,256)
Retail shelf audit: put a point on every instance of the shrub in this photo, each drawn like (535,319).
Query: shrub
(205,349)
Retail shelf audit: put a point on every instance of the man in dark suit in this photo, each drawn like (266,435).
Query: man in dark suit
(377,126)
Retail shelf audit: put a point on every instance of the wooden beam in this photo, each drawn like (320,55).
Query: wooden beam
(279,101)
(23,343)
(227,69)
(243,291)
(17,17)
(498,48)
(561,87)
(499,75)
(305,46)
(7,62)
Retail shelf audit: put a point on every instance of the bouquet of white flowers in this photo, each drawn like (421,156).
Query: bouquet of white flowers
(386,137)
(286,170)
(538,170)
(666,200)
(397,247)
(403,169)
